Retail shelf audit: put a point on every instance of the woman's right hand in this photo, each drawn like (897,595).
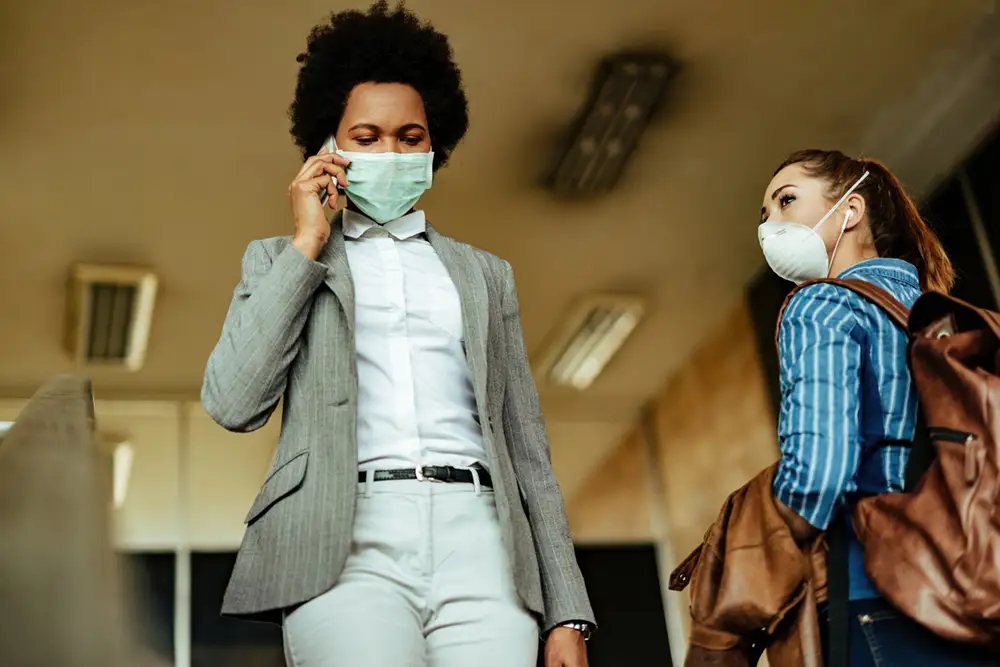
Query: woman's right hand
(320,172)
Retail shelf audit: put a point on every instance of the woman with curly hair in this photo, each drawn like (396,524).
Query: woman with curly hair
(411,515)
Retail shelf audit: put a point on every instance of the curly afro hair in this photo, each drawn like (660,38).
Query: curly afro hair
(381,45)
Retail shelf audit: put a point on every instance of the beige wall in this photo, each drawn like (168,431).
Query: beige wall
(713,431)
(614,504)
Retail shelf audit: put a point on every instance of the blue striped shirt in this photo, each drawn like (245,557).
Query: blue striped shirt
(845,390)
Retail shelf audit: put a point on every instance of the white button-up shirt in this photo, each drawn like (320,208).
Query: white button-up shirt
(416,404)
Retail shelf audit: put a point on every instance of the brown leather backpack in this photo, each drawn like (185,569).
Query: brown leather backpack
(934,550)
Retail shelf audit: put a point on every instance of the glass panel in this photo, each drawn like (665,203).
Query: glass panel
(152,578)
(624,587)
(225,642)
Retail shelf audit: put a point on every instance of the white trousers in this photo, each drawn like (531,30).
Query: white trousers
(427,584)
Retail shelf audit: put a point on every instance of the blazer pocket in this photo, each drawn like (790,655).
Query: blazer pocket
(523,497)
(283,481)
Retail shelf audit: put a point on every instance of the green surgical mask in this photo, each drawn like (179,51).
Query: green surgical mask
(385,186)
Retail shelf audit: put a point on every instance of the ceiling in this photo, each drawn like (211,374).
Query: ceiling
(155,133)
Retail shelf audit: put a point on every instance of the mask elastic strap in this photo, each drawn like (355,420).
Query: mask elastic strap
(847,194)
(843,228)
(847,216)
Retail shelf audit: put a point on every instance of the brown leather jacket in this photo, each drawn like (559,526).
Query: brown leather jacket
(752,587)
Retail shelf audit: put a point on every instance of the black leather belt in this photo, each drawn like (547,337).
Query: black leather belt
(445,474)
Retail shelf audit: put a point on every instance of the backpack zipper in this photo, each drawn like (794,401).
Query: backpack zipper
(969,440)
(951,435)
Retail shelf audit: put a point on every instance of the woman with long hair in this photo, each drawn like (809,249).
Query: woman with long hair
(848,407)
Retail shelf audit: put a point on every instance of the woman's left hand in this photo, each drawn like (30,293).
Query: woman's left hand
(565,647)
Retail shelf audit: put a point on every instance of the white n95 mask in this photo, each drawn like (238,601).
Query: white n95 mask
(797,252)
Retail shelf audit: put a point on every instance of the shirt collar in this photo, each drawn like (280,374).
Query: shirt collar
(410,225)
(897,269)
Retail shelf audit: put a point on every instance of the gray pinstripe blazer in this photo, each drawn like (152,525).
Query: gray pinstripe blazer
(290,333)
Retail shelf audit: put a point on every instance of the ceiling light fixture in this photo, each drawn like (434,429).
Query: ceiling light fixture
(626,92)
(122,458)
(591,336)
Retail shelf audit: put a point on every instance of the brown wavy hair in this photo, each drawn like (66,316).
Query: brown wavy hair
(896,226)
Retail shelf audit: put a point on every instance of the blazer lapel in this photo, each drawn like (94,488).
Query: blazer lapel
(338,273)
(467,274)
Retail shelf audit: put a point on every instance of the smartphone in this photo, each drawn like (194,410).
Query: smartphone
(331,147)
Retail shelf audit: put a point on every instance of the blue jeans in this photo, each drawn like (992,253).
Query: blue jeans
(883,637)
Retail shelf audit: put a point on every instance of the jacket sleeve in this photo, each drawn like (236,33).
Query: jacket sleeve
(820,349)
(247,371)
(563,588)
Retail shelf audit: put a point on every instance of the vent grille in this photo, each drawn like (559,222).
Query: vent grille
(111,321)
(590,337)
(111,310)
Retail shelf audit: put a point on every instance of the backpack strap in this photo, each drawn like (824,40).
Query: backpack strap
(838,593)
(897,312)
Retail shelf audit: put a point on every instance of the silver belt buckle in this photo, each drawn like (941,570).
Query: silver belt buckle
(423,478)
